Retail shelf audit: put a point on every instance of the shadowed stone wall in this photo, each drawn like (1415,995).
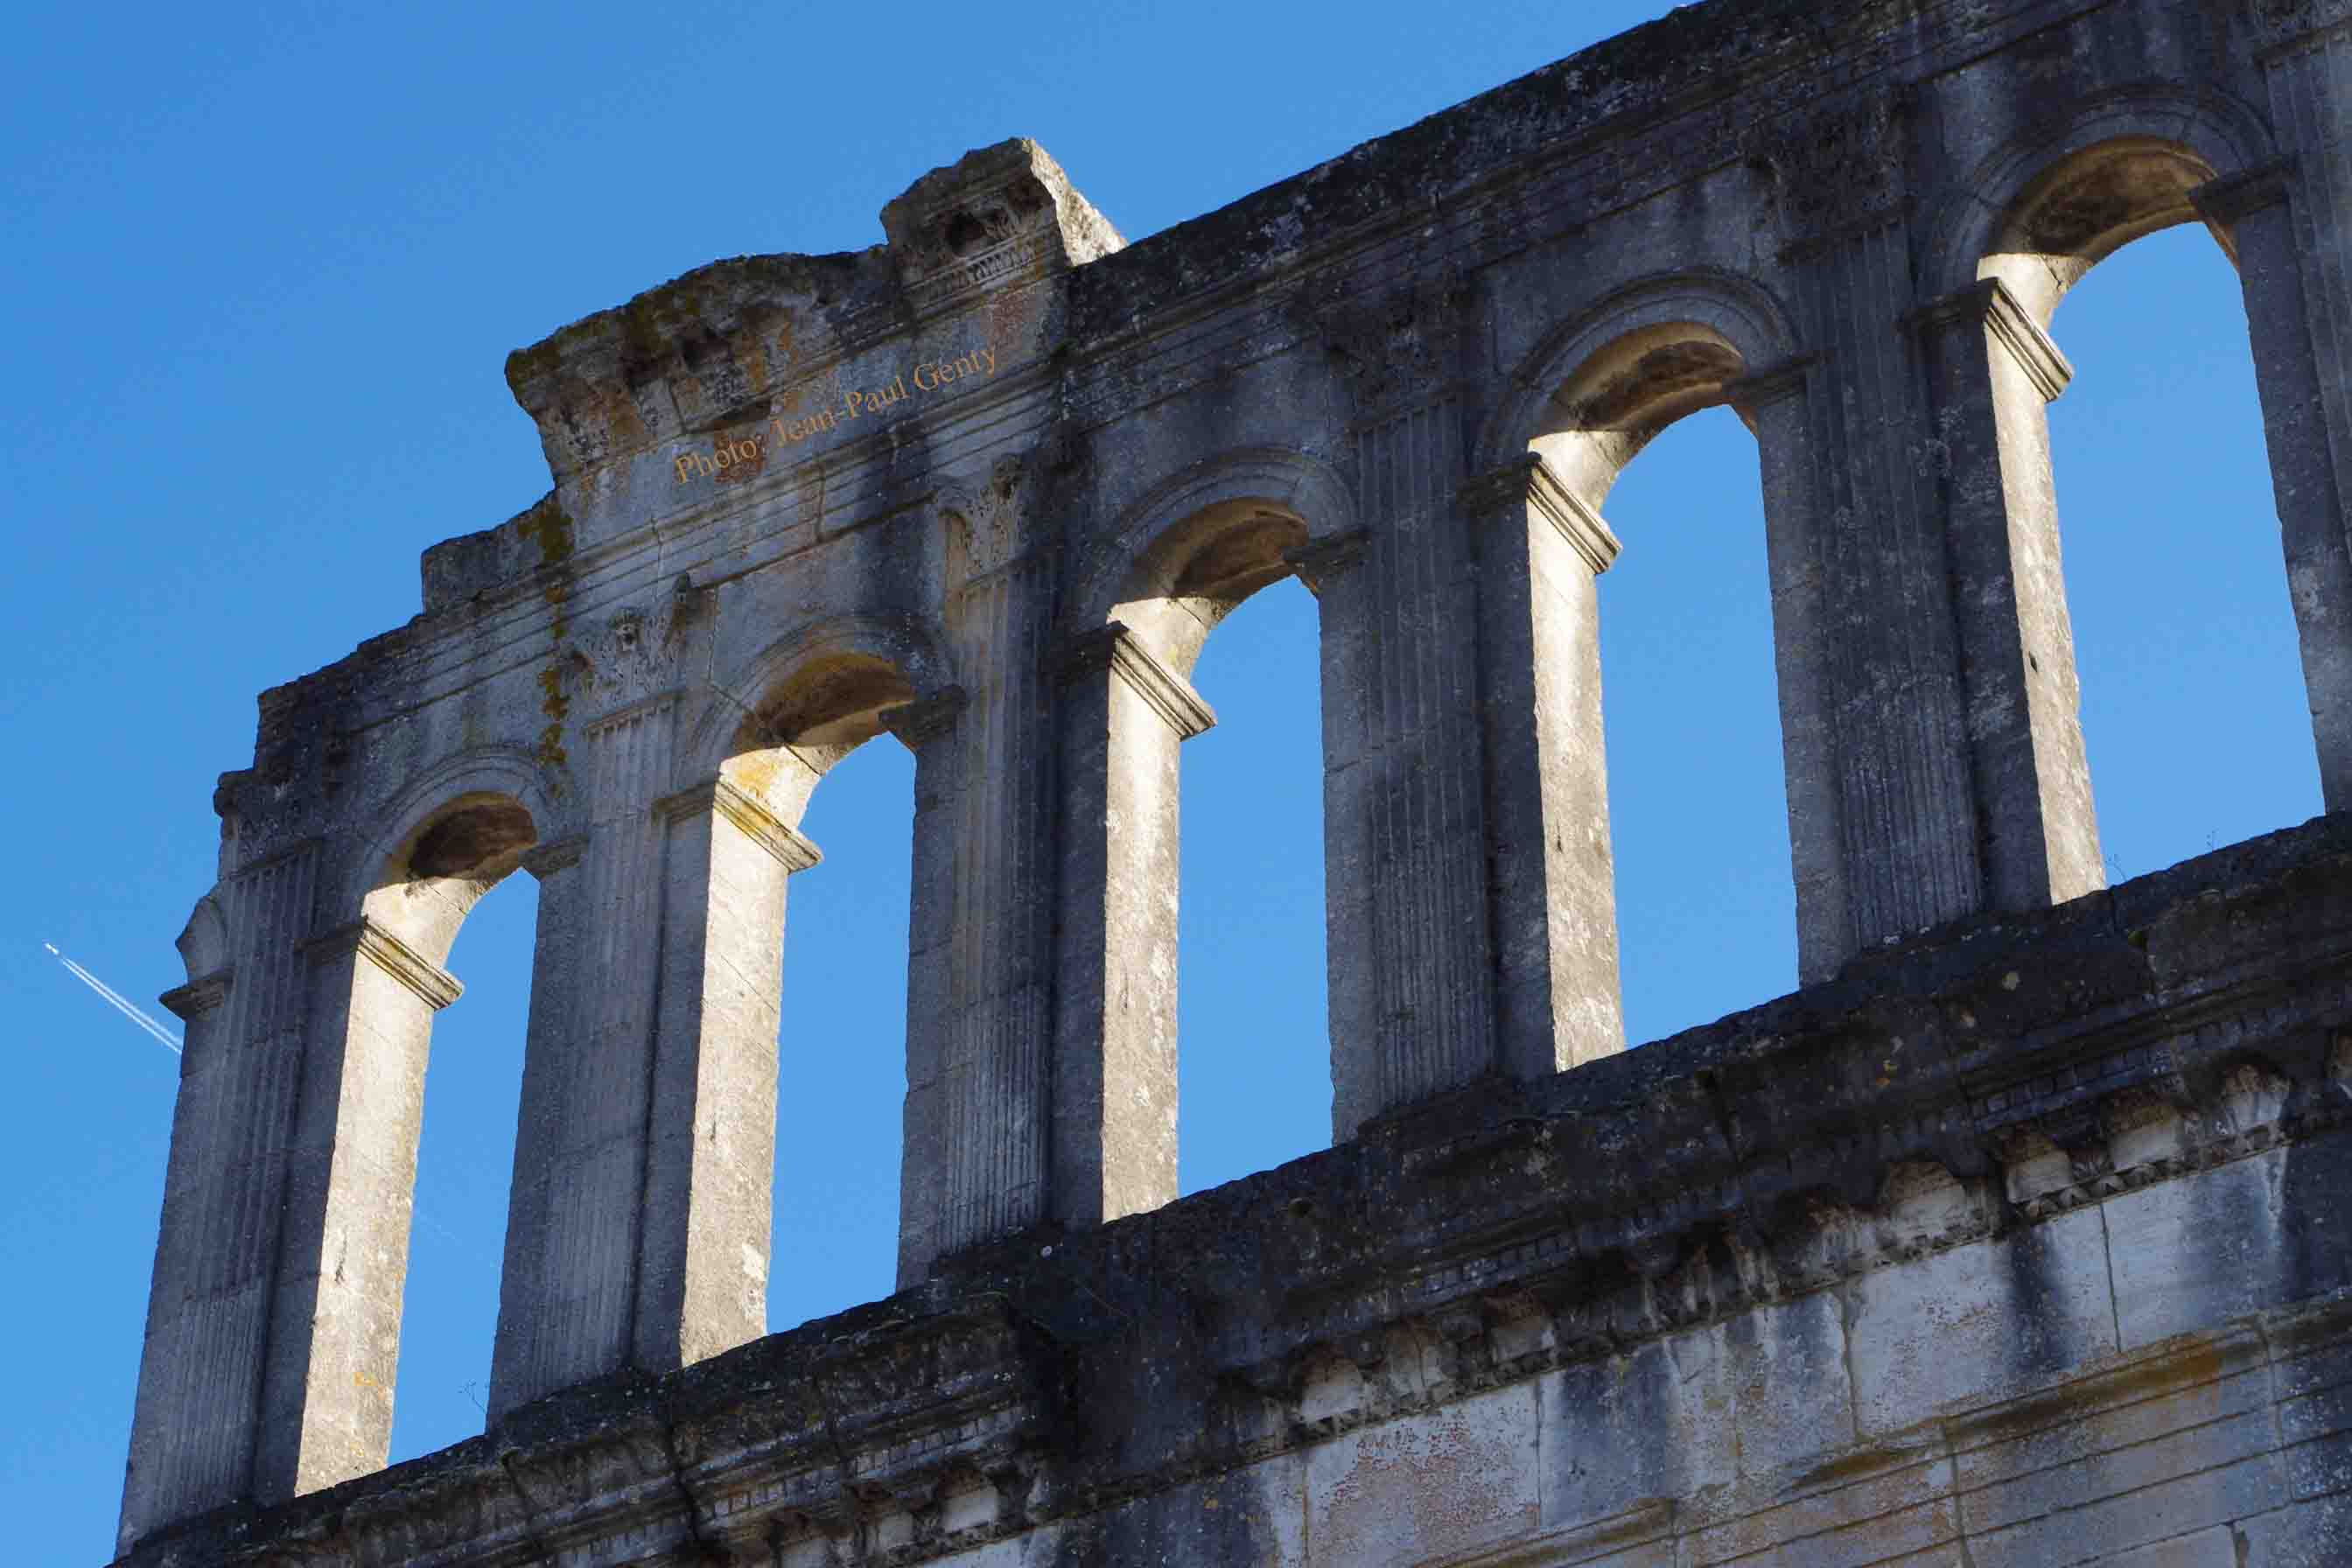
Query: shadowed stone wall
(2017,1235)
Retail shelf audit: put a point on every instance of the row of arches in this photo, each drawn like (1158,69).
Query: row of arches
(700,1018)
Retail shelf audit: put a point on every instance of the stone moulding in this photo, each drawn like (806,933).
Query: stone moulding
(2170,1025)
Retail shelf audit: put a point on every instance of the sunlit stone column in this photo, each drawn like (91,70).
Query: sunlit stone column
(1991,371)
(711,1149)
(334,1342)
(1124,714)
(1542,553)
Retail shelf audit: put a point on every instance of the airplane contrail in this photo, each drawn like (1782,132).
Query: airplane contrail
(115,1000)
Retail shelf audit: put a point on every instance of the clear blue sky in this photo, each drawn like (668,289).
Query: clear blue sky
(261,279)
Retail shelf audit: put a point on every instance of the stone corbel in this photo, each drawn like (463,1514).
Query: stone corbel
(1320,559)
(1117,649)
(547,859)
(376,943)
(918,723)
(2224,202)
(1752,394)
(198,997)
(1529,482)
(1989,303)
(760,824)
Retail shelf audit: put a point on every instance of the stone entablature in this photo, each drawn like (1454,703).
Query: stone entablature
(1410,377)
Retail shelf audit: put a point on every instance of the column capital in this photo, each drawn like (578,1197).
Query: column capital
(545,860)
(2224,201)
(1113,647)
(1320,558)
(372,939)
(926,719)
(1530,482)
(1989,303)
(740,808)
(198,997)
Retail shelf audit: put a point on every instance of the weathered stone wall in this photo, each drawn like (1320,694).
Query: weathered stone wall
(2014,1237)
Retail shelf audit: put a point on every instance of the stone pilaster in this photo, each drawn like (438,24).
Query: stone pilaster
(1541,551)
(1886,648)
(1412,1007)
(2285,226)
(1124,715)
(1992,370)
(197,1420)
(334,1341)
(995,1078)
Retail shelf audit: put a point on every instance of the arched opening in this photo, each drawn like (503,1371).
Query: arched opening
(841,1032)
(1220,923)
(1254,1085)
(1698,809)
(1669,825)
(443,1120)
(2184,664)
(845,1081)
(465,1162)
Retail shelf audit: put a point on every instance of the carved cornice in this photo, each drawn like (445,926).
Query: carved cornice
(918,723)
(380,945)
(736,806)
(1114,648)
(2224,201)
(1989,303)
(1530,485)
(198,997)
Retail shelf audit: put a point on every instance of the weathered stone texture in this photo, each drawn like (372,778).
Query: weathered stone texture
(2016,1237)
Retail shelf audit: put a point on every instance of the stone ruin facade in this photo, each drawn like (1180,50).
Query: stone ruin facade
(2018,1234)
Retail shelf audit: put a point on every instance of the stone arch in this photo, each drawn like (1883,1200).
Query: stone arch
(1195,545)
(2026,225)
(2048,205)
(1181,557)
(446,839)
(806,701)
(1645,354)
(1579,408)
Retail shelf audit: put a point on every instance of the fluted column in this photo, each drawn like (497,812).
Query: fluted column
(1992,370)
(1124,715)
(1403,791)
(994,1078)
(2285,224)
(334,1342)
(197,1420)
(928,729)
(1542,551)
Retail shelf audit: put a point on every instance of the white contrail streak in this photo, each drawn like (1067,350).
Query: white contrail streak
(114,999)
